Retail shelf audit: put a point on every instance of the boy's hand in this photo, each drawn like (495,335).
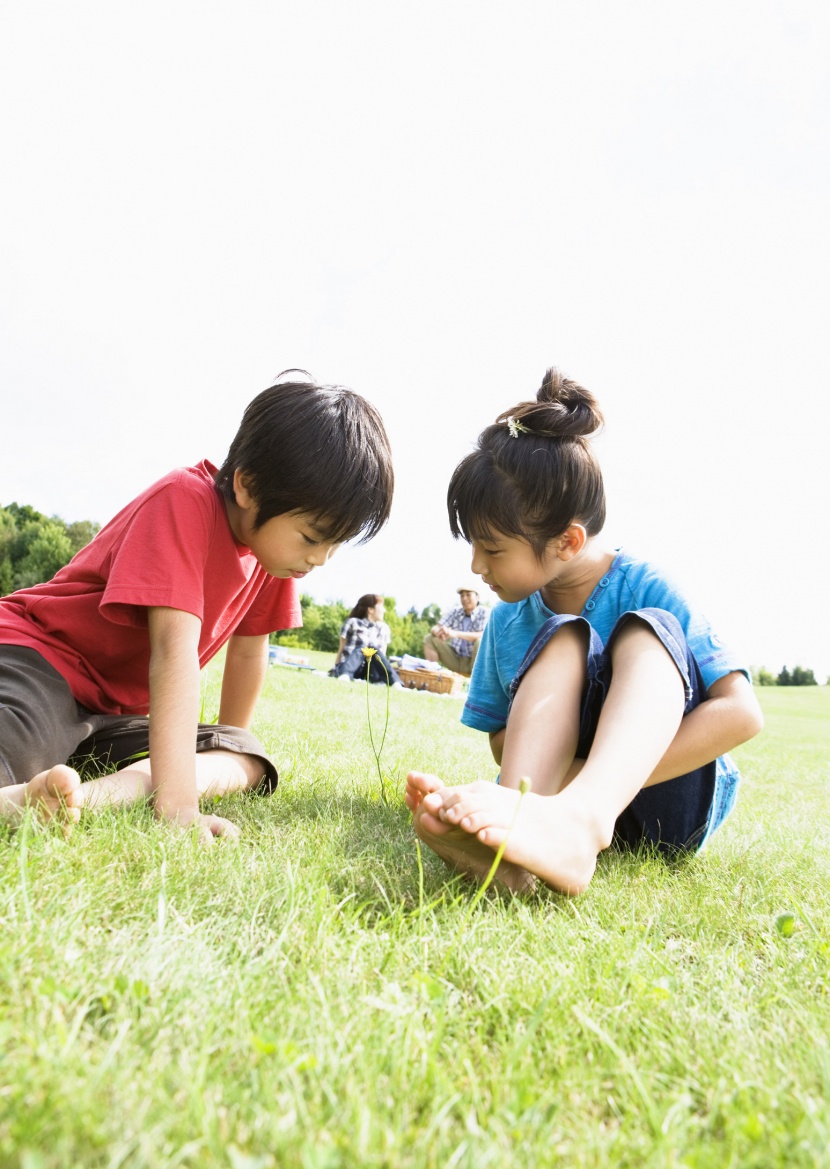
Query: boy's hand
(206,826)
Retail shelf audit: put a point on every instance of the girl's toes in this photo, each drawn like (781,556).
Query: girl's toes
(493,837)
(431,825)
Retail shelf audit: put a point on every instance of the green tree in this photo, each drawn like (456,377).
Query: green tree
(34,546)
(47,549)
(799,676)
(322,624)
(8,531)
(762,677)
(80,533)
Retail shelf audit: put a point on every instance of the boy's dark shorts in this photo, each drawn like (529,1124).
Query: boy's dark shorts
(41,724)
(680,814)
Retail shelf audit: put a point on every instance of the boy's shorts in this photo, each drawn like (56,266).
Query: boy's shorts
(41,724)
(682,813)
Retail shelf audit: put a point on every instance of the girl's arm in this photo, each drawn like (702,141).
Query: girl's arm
(246,664)
(340,650)
(729,716)
(497,744)
(174,712)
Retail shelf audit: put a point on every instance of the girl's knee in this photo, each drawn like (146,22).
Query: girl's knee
(570,636)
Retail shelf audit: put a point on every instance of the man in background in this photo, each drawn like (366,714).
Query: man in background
(454,640)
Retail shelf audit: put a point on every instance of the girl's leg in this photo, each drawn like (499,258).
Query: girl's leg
(558,833)
(541,741)
(353,665)
(543,728)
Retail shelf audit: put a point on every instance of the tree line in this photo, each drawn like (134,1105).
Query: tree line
(798,676)
(322,624)
(34,546)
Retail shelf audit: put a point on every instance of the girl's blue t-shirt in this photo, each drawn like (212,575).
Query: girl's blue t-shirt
(629,585)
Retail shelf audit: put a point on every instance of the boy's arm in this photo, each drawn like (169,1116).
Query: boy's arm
(174,712)
(728,717)
(246,663)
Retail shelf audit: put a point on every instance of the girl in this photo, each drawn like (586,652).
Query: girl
(594,678)
(364,628)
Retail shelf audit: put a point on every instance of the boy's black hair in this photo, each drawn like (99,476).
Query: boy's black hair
(321,450)
(533,472)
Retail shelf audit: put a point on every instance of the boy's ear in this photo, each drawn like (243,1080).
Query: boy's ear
(241,491)
(572,541)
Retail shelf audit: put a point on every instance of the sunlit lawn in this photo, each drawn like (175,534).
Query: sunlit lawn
(316,997)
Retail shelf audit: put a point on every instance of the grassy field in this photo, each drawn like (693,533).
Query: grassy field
(319,996)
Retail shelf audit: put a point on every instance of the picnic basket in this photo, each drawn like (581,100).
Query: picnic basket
(436,681)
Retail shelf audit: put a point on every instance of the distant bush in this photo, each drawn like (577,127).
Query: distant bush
(763,677)
(797,677)
(322,624)
(34,546)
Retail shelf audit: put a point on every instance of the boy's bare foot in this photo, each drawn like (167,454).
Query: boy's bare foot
(455,846)
(549,836)
(55,793)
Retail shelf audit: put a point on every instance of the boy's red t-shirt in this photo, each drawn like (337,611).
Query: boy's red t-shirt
(171,547)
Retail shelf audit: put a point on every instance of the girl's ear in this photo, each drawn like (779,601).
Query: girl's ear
(241,493)
(572,541)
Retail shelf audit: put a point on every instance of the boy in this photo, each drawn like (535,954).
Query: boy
(200,559)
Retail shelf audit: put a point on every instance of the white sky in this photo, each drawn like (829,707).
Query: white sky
(431,203)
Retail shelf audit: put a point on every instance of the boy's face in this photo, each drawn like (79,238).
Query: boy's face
(289,545)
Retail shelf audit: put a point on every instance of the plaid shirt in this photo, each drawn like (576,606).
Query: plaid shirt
(360,633)
(458,619)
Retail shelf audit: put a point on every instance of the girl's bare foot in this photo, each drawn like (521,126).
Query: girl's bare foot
(55,793)
(549,836)
(456,847)
(418,785)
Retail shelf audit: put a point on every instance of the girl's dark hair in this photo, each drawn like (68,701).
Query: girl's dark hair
(317,449)
(366,602)
(533,472)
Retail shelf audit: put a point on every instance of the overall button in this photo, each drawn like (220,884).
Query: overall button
(603,582)
(591,605)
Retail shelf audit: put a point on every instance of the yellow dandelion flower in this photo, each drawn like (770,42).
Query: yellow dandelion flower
(369,653)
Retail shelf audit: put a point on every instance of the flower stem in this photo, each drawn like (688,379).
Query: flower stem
(377,750)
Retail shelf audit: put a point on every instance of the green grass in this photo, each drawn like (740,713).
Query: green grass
(313,997)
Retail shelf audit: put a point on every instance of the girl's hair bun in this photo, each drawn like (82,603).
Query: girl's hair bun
(563,409)
(534,471)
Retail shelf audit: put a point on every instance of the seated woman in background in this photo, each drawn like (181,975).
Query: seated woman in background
(364,628)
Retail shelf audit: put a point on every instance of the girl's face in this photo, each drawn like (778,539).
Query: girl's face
(376,612)
(510,567)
